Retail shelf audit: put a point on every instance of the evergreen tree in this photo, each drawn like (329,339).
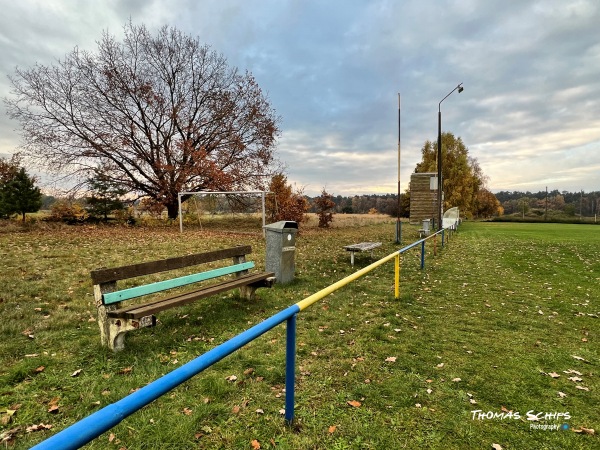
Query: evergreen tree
(19,195)
(106,195)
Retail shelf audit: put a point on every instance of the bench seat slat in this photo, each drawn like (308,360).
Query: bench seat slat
(363,246)
(146,309)
(152,288)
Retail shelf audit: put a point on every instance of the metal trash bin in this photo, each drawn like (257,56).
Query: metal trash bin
(426,227)
(281,249)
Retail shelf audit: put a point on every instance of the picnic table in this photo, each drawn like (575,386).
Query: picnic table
(361,247)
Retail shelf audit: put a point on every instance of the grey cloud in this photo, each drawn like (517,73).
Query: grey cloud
(530,110)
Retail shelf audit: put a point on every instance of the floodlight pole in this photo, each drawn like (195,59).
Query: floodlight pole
(398,221)
(440,184)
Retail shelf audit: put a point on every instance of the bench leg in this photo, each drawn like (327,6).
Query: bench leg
(117,342)
(115,339)
(103,320)
(352,258)
(248,291)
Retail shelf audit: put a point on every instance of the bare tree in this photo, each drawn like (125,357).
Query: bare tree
(160,114)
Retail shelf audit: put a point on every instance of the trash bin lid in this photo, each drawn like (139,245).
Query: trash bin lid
(282,225)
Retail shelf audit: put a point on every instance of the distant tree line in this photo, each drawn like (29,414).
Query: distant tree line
(365,204)
(537,203)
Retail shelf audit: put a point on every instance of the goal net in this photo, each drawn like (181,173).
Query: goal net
(225,210)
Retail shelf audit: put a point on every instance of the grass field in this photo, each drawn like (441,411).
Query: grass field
(502,322)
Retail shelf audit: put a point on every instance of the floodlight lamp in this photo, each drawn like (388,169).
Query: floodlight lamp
(460,89)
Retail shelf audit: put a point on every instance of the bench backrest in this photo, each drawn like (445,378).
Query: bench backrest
(112,275)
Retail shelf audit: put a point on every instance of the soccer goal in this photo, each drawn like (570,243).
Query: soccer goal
(221,201)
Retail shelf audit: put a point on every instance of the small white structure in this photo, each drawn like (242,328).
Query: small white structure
(451,218)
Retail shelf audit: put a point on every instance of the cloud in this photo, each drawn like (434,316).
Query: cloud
(333,71)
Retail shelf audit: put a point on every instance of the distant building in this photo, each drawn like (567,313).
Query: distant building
(423,197)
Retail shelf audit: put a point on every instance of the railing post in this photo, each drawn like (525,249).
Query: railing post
(397,276)
(290,368)
(423,254)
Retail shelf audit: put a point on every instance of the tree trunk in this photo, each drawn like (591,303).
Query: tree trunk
(173,209)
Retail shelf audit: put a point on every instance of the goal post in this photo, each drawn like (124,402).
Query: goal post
(261,193)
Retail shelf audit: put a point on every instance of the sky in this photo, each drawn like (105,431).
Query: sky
(334,70)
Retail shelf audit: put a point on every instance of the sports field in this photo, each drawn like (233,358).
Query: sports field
(499,328)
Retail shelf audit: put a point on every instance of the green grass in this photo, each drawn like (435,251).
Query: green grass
(501,307)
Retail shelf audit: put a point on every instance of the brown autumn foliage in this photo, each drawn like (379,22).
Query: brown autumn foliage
(160,113)
(282,203)
(325,206)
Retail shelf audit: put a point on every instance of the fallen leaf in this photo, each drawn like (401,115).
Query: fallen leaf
(249,371)
(554,375)
(582,388)
(235,409)
(575,379)
(579,358)
(456,380)
(38,427)
(255,444)
(472,401)
(496,446)
(504,409)
(282,411)
(76,373)
(583,430)
(260,411)
(418,405)
(354,403)
(440,365)
(429,391)
(7,418)
(187,411)
(40,369)
(332,429)
(561,394)
(231,378)
(111,437)
(570,371)
(391,358)
(53,409)
(125,371)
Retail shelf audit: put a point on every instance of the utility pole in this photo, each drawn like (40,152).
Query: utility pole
(546,215)
(398,220)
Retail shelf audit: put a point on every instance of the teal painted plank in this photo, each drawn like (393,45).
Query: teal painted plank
(152,288)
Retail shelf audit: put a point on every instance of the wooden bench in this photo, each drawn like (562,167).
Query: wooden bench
(115,320)
(361,247)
